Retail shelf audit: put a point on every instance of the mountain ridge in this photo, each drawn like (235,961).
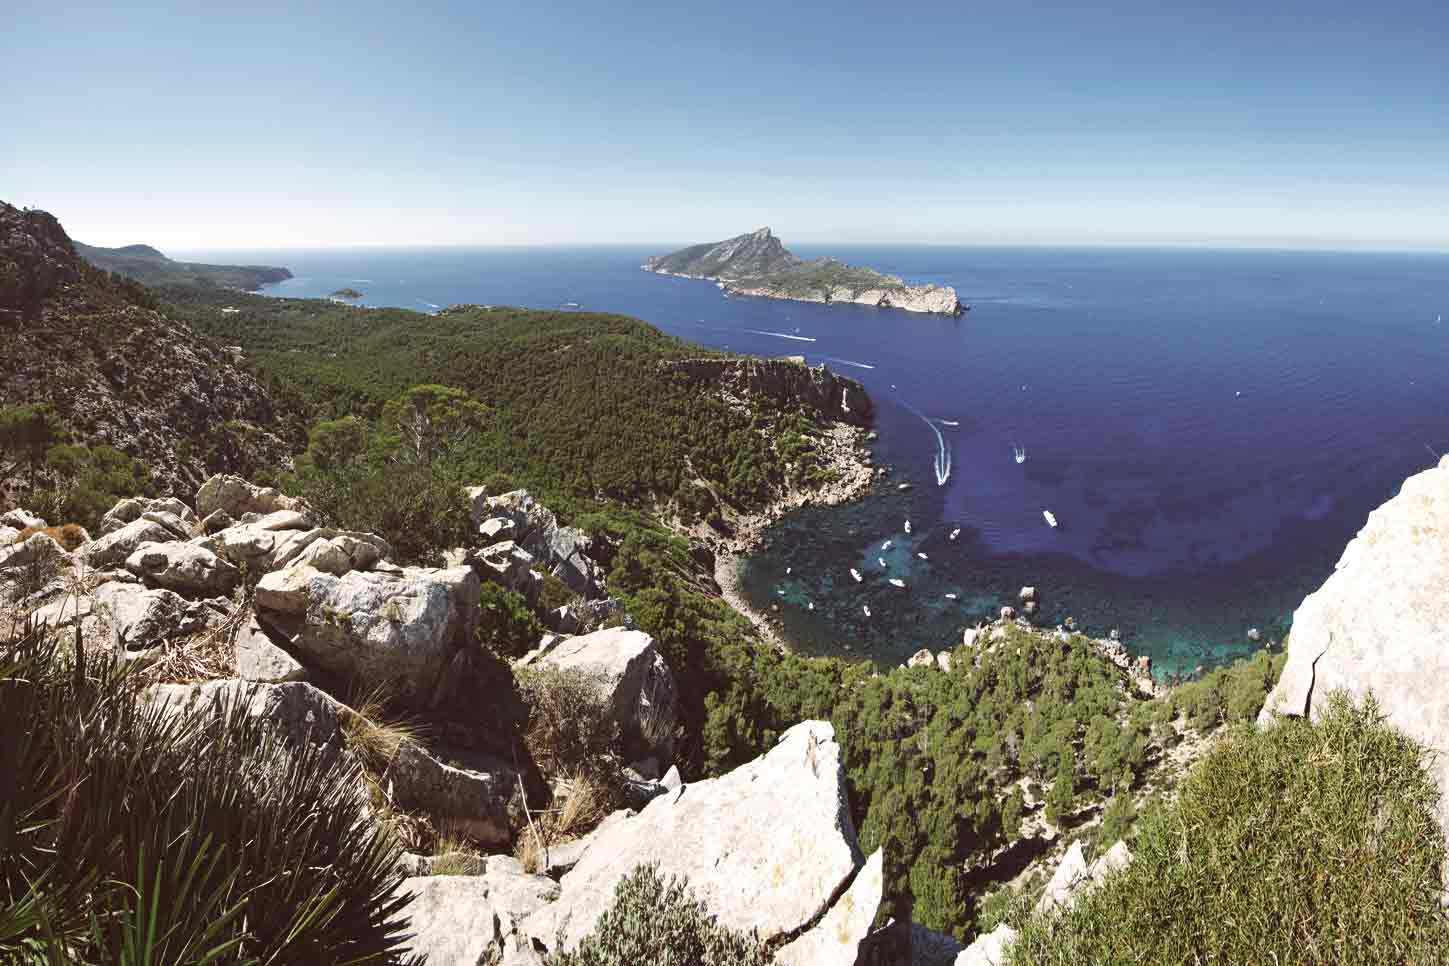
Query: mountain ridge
(150,266)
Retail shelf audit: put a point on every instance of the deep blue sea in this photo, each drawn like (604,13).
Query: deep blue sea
(1209,427)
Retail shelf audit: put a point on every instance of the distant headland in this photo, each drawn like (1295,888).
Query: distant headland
(759,264)
(150,267)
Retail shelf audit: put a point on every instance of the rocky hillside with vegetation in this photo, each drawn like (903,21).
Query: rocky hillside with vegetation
(452,680)
(150,267)
(759,264)
(117,370)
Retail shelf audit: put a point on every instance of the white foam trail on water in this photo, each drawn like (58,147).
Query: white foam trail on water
(847,362)
(783,335)
(949,422)
(942,463)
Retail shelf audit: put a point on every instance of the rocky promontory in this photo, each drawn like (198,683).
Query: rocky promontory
(759,264)
(785,382)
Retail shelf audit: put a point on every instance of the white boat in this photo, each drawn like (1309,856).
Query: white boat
(923,556)
(866,608)
(810,606)
(856,573)
(880,560)
(950,596)
(955,533)
(787,571)
(886,545)
(1051,518)
(1019,453)
(908,526)
(897,582)
(903,486)
(781,591)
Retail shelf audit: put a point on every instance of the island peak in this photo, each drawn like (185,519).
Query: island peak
(759,264)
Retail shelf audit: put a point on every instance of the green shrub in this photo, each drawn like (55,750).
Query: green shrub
(1299,843)
(506,624)
(570,727)
(419,510)
(133,834)
(653,921)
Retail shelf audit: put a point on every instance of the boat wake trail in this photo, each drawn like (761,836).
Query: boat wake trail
(782,335)
(847,362)
(942,462)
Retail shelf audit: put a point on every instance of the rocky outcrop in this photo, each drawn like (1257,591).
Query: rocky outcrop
(398,630)
(118,370)
(517,519)
(896,294)
(258,659)
(170,512)
(478,795)
(1380,622)
(38,549)
(637,683)
(141,618)
(767,847)
(296,712)
(472,919)
(184,568)
(112,549)
(785,383)
(20,519)
(236,497)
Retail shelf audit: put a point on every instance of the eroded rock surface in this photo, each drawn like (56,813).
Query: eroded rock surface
(641,690)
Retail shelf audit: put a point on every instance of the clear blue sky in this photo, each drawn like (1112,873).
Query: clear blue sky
(1322,123)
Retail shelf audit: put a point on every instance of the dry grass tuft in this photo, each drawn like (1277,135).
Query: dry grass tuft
(375,732)
(70,535)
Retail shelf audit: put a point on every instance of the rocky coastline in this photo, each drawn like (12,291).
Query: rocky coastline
(930,299)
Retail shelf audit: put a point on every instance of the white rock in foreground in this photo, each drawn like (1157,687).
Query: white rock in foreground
(765,847)
(463,920)
(836,939)
(1380,624)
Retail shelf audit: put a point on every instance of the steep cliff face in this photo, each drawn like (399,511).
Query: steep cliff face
(116,368)
(758,264)
(785,383)
(1380,623)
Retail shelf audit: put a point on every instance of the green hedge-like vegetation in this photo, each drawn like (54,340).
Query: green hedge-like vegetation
(1301,843)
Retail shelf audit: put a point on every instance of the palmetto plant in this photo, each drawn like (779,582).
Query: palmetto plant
(132,833)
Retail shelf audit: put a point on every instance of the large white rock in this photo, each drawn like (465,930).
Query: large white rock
(836,939)
(465,920)
(477,794)
(641,690)
(21,520)
(258,659)
(36,549)
(140,618)
(1380,624)
(169,511)
(297,712)
(237,497)
(989,949)
(112,549)
(185,568)
(765,847)
(379,629)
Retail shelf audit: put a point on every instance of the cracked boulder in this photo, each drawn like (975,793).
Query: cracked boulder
(170,512)
(563,551)
(477,794)
(836,939)
(398,630)
(767,847)
(1379,624)
(237,497)
(111,549)
(185,568)
(141,617)
(471,919)
(297,712)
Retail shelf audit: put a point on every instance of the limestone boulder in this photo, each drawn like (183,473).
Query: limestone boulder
(836,939)
(259,659)
(112,549)
(8,534)
(640,688)
(185,568)
(471,919)
(141,617)
(298,713)
(236,497)
(560,858)
(922,658)
(400,630)
(36,550)
(168,511)
(989,949)
(582,617)
(22,520)
(563,551)
(766,847)
(477,794)
(1380,624)
(504,563)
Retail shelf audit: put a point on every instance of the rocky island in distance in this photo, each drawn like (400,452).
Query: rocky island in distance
(759,264)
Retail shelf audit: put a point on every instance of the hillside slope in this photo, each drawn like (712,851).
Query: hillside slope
(150,267)
(116,368)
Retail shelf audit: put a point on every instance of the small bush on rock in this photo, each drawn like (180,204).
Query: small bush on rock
(569,725)
(654,921)
(506,625)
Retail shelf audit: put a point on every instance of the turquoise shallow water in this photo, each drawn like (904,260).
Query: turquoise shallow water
(1210,428)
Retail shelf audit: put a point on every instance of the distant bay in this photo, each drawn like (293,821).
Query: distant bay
(1208,427)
